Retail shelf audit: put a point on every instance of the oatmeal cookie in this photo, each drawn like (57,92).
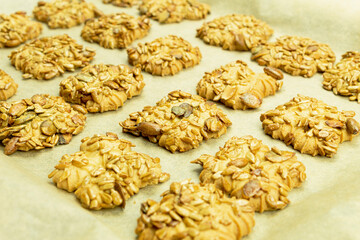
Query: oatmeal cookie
(102,87)
(7,86)
(247,169)
(117,30)
(178,122)
(40,122)
(310,125)
(17,28)
(238,87)
(295,55)
(65,13)
(164,56)
(121,3)
(173,11)
(235,32)
(194,211)
(344,78)
(106,172)
(48,57)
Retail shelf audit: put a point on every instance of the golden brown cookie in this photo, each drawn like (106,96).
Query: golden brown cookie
(17,28)
(310,125)
(344,78)
(295,55)
(117,30)
(65,13)
(48,57)
(173,11)
(121,3)
(106,172)
(193,211)
(7,86)
(39,122)
(247,169)
(238,87)
(102,87)
(178,122)
(235,32)
(164,56)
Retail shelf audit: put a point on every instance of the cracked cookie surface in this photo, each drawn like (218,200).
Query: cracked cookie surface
(102,87)
(173,11)
(235,32)
(65,13)
(195,211)
(164,56)
(344,78)
(121,3)
(39,122)
(8,87)
(106,172)
(295,55)
(49,57)
(310,125)
(117,30)
(178,122)
(247,169)
(17,28)
(238,87)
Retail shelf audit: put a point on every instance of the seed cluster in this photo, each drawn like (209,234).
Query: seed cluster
(295,55)
(344,78)
(164,56)
(238,87)
(106,172)
(102,87)
(117,30)
(65,13)
(172,11)
(174,129)
(310,125)
(247,169)
(40,122)
(7,86)
(194,211)
(235,32)
(17,28)
(121,3)
(48,57)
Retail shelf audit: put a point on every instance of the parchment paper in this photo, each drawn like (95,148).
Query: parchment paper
(327,206)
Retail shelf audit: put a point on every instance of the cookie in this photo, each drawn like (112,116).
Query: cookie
(238,87)
(310,125)
(17,28)
(247,169)
(235,32)
(164,56)
(295,55)
(65,13)
(106,172)
(102,87)
(121,3)
(48,57)
(40,122)
(173,11)
(344,78)
(117,30)
(7,86)
(178,122)
(194,211)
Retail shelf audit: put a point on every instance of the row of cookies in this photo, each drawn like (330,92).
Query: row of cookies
(174,55)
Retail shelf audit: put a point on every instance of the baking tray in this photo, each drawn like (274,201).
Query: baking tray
(326,206)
